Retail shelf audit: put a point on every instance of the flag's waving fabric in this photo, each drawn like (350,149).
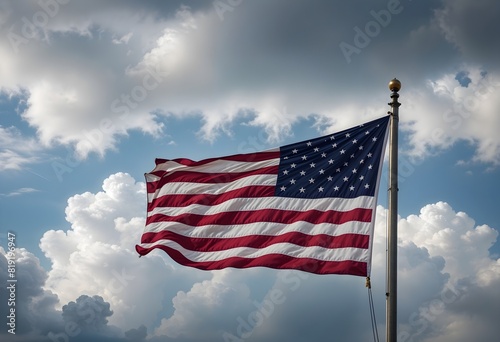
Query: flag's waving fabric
(307,206)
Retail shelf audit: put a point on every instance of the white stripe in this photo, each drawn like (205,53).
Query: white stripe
(186,188)
(260,228)
(218,166)
(279,203)
(314,252)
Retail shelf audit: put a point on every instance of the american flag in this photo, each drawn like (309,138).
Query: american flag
(307,206)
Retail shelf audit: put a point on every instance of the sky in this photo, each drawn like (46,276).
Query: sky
(91,92)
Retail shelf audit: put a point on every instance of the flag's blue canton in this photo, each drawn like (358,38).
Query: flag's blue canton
(344,164)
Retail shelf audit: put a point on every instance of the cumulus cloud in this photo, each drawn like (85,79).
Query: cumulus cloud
(433,290)
(97,256)
(97,282)
(35,312)
(470,271)
(88,313)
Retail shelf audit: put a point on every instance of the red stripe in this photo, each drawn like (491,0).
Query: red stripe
(256,191)
(205,177)
(248,157)
(260,241)
(267,215)
(276,261)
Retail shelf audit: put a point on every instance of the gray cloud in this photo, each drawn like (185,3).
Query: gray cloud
(87,312)
(471,27)
(226,69)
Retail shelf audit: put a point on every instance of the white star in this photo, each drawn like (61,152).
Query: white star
(346,164)
(336,188)
(367,186)
(293,165)
(285,172)
(370,167)
(321,171)
(312,165)
(338,170)
(285,158)
(316,149)
(334,145)
(309,143)
(351,188)
(342,151)
(295,151)
(302,190)
(367,132)
(354,141)
(320,189)
(330,178)
(347,135)
(354,171)
(332,137)
(323,155)
(361,161)
(360,148)
(311,180)
(369,155)
(283,188)
(361,178)
(346,179)
(374,139)
(304,157)
(352,155)
(292,181)
(302,173)
(331,161)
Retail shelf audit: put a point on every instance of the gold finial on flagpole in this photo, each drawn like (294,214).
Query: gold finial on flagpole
(395,85)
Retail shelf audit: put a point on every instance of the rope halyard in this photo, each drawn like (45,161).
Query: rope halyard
(373,319)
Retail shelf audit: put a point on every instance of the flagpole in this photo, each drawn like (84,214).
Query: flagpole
(392,236)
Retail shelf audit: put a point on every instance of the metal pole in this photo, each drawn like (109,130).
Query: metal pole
(392,250)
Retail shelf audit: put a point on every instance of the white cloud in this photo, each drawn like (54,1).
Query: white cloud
(447,112)
(445,269)
(17,151)
(34,306)
(452,236)
(19,192)
(192,63)
(96,256)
